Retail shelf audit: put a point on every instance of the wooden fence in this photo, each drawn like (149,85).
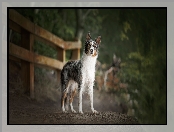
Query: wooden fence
(29,33)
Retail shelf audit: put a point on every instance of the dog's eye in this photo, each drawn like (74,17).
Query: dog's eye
(89,45)
(95,46)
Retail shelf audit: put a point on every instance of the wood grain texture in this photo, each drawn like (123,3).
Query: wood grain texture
(26,55)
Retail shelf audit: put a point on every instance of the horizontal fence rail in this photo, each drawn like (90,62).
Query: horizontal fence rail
(24,54)
(28,59)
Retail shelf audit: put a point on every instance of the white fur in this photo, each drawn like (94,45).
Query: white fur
(88,76)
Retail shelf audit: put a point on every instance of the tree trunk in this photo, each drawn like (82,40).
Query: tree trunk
(79,24)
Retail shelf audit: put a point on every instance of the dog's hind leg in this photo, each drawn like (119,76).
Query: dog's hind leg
(67,101)
(63,98)
(72,94)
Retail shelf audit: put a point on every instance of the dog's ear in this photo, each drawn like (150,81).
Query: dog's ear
(98,40)
(88,36)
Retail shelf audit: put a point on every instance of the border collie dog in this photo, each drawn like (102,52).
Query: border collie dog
(79,75)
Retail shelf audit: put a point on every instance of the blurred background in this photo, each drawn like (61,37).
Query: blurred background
(131,69)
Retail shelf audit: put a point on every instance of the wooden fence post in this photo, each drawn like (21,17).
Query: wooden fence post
(60,57)
(31,68)
(27,41)
(25,66)
(75,54)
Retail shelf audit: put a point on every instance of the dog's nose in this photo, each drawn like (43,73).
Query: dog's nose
(91,51)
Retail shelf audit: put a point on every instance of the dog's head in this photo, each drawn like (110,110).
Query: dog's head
(91,47)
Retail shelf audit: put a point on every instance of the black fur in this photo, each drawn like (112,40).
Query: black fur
(71,71)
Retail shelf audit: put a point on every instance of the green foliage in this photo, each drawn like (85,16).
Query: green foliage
(142,46)
(44,49)
(147,86)
(145,69)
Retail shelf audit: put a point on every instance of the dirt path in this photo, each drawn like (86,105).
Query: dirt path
(23,110)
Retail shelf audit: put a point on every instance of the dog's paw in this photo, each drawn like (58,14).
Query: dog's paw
(81,112)
(73,111)
(94,111)
(64,111)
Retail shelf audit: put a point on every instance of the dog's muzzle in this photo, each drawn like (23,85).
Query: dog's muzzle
(91,51)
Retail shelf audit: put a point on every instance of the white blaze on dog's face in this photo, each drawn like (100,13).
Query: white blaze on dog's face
(91,47)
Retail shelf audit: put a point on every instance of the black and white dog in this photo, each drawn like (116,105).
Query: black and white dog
(80,74)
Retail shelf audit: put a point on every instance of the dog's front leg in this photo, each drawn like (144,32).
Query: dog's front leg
(91,98)
(80,101)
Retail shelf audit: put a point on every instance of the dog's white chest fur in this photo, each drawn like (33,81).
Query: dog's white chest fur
(88,71)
